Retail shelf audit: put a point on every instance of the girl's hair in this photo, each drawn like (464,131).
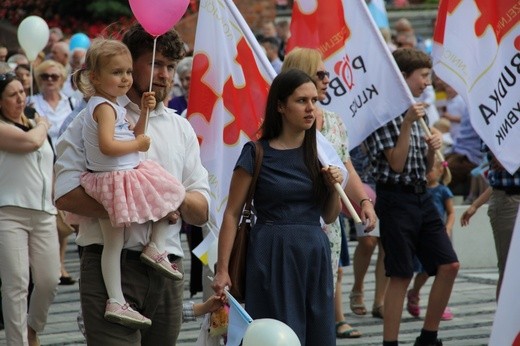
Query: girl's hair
(41,68)
(305,59)
(98,53)
(282,87)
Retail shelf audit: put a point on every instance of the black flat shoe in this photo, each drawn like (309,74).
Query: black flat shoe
(67,280)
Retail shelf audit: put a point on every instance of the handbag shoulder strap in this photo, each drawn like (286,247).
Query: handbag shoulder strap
(259,155)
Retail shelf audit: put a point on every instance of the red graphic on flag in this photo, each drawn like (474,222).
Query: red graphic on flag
(206,97)
(324,29)
(501,16)
(445,7)
(344,70)
(516,342)
(247,103)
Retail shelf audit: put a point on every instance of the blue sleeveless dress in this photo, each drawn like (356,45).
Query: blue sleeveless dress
(289,277)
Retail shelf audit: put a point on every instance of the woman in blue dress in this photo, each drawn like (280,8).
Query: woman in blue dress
(289,276)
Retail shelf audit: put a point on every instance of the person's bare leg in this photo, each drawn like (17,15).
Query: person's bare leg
(338,308)
(394,300)
(32,337)
(63,249)
(440,295)
(381,278)
(418,282)
(338,299)
(361,261)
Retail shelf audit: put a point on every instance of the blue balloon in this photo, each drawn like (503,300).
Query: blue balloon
(79,40)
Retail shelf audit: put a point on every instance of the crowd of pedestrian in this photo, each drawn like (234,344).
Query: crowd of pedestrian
(82,124)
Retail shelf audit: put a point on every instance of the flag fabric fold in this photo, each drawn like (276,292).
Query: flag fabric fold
(366,88)
(239,320)
(204,250)
(477,51)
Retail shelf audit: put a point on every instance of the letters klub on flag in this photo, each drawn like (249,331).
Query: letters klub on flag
(366,88)
(477,51)
(229,84)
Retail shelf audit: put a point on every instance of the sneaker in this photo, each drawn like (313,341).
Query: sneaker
(412,304)
(160,262)
(123,314)
(447,315)
(418,342)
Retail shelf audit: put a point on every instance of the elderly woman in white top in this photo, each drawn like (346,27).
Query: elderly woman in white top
(53,104)
(28,237)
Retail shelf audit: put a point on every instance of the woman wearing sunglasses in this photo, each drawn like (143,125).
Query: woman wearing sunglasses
(53,104)
(332,127)
(28,237)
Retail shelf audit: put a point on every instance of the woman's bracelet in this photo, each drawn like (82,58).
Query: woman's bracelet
(365,199)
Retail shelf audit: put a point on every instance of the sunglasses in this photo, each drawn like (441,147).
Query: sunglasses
(53,77)
(5,76)
(322,74)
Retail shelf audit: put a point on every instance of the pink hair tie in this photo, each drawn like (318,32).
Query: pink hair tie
(444,164)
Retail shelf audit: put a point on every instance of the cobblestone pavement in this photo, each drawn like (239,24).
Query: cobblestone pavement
(472,303)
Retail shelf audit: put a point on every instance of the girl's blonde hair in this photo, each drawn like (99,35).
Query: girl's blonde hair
(304,59)
(99,51)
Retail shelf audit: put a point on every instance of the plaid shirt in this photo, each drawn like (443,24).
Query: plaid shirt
(497,175)
(187,312)
(385,137)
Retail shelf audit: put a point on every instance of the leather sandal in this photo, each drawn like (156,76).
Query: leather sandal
(378,311)
(350,333)
(355,305)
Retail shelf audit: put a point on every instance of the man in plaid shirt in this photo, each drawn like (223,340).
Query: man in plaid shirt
(401,155)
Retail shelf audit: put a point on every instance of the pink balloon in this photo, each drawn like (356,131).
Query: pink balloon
(158,16)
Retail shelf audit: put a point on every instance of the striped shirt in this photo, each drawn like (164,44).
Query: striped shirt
(385,137)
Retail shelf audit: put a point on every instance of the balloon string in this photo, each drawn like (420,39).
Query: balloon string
(32,78)
(151,82)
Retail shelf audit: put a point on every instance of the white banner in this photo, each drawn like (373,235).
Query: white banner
(229,84)
(230,81)
(477,51)
(366,87)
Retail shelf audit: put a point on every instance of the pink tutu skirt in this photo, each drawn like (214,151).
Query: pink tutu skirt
(146,193)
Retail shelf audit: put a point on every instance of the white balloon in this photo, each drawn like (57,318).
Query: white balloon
(33,35)
(268,331)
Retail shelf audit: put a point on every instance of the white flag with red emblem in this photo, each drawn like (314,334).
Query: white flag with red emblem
(230,80)
(477,51)
(366,88)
